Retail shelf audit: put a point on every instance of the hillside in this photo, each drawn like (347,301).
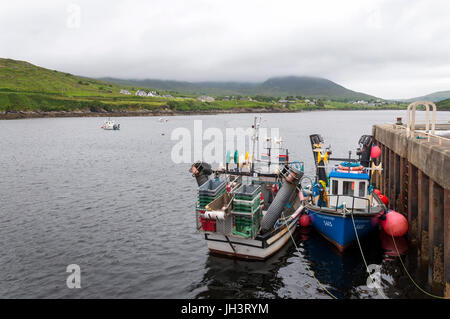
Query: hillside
(19,76)
(280,86)
(311,87)
(22,76)
(27,90)
(443,105)
(434,97)
(27,87)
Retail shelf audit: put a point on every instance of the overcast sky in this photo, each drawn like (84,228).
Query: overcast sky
(390,49)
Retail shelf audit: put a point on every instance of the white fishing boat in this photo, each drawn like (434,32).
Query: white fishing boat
(250,208)
(110,125)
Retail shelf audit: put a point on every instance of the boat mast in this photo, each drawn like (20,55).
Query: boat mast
(256,126)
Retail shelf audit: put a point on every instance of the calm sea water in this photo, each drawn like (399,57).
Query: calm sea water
(114,203)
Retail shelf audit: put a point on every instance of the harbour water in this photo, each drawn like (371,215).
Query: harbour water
(115,204)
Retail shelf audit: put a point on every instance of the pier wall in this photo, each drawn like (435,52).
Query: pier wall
(416,179)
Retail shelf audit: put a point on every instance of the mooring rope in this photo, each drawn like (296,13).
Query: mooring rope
(362,254)
(365,263)
(410,277)
(364,259)
(312,273)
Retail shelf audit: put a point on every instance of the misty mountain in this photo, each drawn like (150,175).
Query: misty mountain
(277,86)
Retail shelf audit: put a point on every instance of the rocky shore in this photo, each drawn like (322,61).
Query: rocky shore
(124,113)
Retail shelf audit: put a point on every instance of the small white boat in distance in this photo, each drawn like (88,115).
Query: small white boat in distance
(110,125)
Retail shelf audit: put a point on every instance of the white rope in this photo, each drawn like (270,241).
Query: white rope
(307,267)
(364,259)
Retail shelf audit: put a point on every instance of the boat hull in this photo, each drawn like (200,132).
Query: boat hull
(339,229)
(254,249)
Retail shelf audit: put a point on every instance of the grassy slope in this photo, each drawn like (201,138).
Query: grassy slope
(434,97)
(443,105)
(26,87)
(24,77)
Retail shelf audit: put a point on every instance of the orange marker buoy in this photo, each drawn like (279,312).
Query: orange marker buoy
(384,199)
(375,152)
(394,224)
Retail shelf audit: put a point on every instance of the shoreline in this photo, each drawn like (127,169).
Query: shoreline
(60,114)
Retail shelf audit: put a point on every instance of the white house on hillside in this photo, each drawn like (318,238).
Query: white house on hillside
(140,93)
(205,98)
(126,92)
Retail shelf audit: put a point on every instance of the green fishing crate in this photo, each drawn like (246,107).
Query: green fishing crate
(246,225)
(247,206)
(210,190)
(247,199)
(247,192)
(204,200)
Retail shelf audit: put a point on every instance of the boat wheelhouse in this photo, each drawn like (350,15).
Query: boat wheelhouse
(346,188)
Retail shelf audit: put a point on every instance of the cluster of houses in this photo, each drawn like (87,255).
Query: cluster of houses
(126,92)
(143,93)
(205,98)
(286,101)
(363,102)
(283,101)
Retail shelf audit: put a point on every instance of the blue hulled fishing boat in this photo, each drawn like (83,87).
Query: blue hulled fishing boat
(341,204)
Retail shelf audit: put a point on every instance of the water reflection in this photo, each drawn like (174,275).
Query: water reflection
(233,278)
(391,248)
(341,271)
(290,273)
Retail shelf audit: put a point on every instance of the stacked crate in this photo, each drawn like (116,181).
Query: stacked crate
(247,211)
(208,192)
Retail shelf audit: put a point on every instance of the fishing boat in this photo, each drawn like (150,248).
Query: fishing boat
(110,125)
(249,208)
(341,203)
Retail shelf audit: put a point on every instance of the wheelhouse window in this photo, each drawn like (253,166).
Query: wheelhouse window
(334,187)
(347,188)
(362,189)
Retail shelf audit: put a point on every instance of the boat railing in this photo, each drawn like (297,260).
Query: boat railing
(353,202)
(335,168)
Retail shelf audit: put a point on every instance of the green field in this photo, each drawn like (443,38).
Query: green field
(26,87)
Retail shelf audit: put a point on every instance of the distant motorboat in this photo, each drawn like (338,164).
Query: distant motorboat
(110,125)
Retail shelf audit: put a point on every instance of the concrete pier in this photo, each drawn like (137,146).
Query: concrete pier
(416,179)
